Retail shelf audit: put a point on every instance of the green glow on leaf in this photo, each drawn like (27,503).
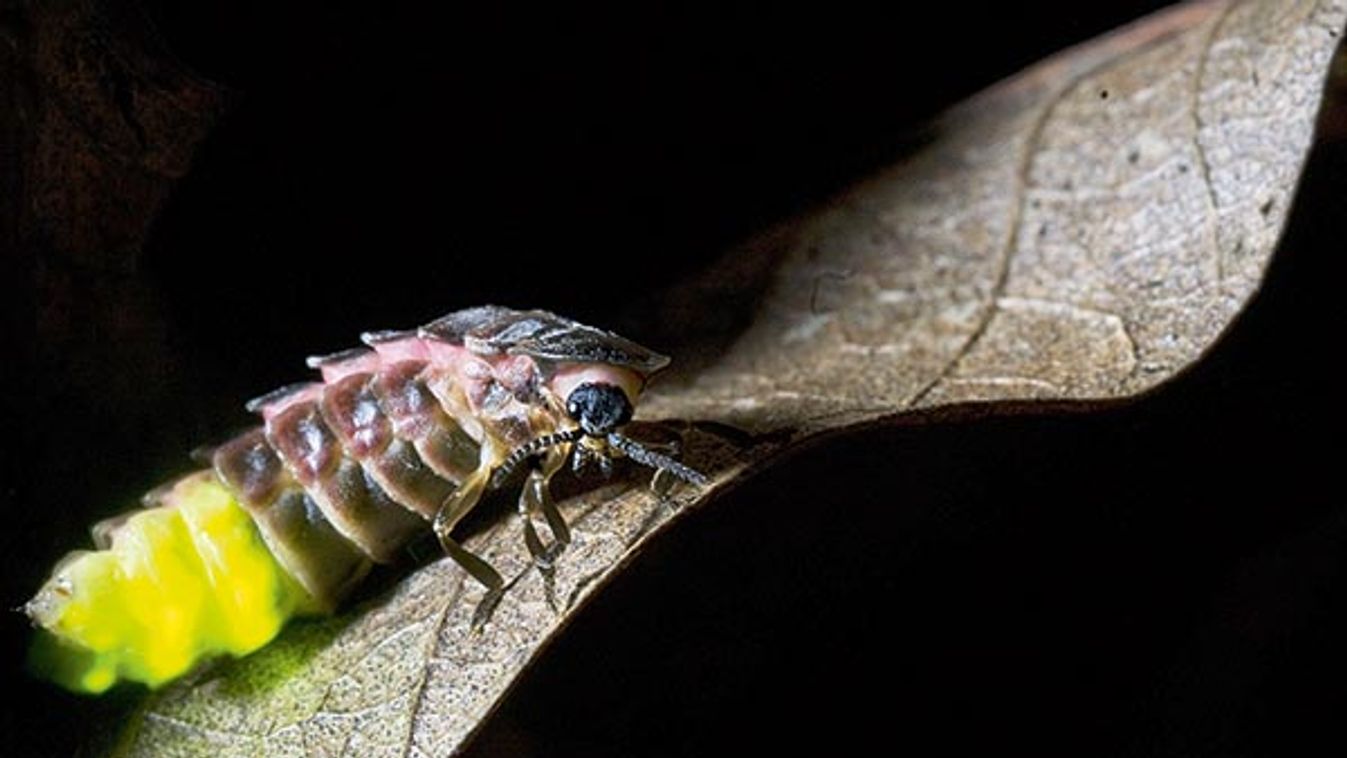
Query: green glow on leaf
(183,582)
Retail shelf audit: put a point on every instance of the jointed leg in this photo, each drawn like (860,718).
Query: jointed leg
(455,507)
(536,496)
(662,483)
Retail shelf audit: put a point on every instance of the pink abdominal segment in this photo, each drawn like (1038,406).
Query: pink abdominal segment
(474,377)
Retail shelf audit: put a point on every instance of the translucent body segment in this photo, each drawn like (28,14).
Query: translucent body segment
(364,514)
(316,453)
(289,520)
(417,416)
(352,411)
(304,443)
(304,541)
(249,467)
(402,474)
(397,463)
(279,398)
(450,451)
(448,389)
(487,410)
(178,584)
(336,365)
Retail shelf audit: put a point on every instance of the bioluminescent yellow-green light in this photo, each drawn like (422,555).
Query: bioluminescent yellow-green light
(179,583)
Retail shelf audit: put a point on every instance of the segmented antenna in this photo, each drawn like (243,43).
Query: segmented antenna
(646,457)
(532,447)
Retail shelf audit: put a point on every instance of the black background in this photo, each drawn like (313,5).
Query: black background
(1159,578)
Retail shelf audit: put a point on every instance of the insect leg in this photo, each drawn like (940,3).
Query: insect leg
(555,521)
(455,507)
(537,496)
(535,488)
(661,484)
(527,502)
(555,459)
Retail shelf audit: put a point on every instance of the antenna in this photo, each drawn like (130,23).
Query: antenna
(532,447)
(647,457)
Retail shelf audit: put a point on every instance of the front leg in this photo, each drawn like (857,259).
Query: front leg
(537,496)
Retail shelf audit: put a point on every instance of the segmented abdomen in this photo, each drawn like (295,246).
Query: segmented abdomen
(345,472)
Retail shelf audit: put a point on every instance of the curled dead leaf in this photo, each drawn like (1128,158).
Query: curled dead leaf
(1084,231)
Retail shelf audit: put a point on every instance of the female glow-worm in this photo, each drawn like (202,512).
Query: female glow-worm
(398,437)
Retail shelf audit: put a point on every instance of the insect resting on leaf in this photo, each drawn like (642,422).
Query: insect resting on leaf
(404,434)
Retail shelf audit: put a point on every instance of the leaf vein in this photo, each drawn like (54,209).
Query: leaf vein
(418,697)
(1203,163)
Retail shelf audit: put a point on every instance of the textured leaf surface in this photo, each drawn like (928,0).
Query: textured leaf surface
(1084,231)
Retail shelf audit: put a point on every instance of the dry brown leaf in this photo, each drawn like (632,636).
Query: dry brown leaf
(1084,231)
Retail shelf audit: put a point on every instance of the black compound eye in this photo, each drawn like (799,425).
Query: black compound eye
(599,408)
